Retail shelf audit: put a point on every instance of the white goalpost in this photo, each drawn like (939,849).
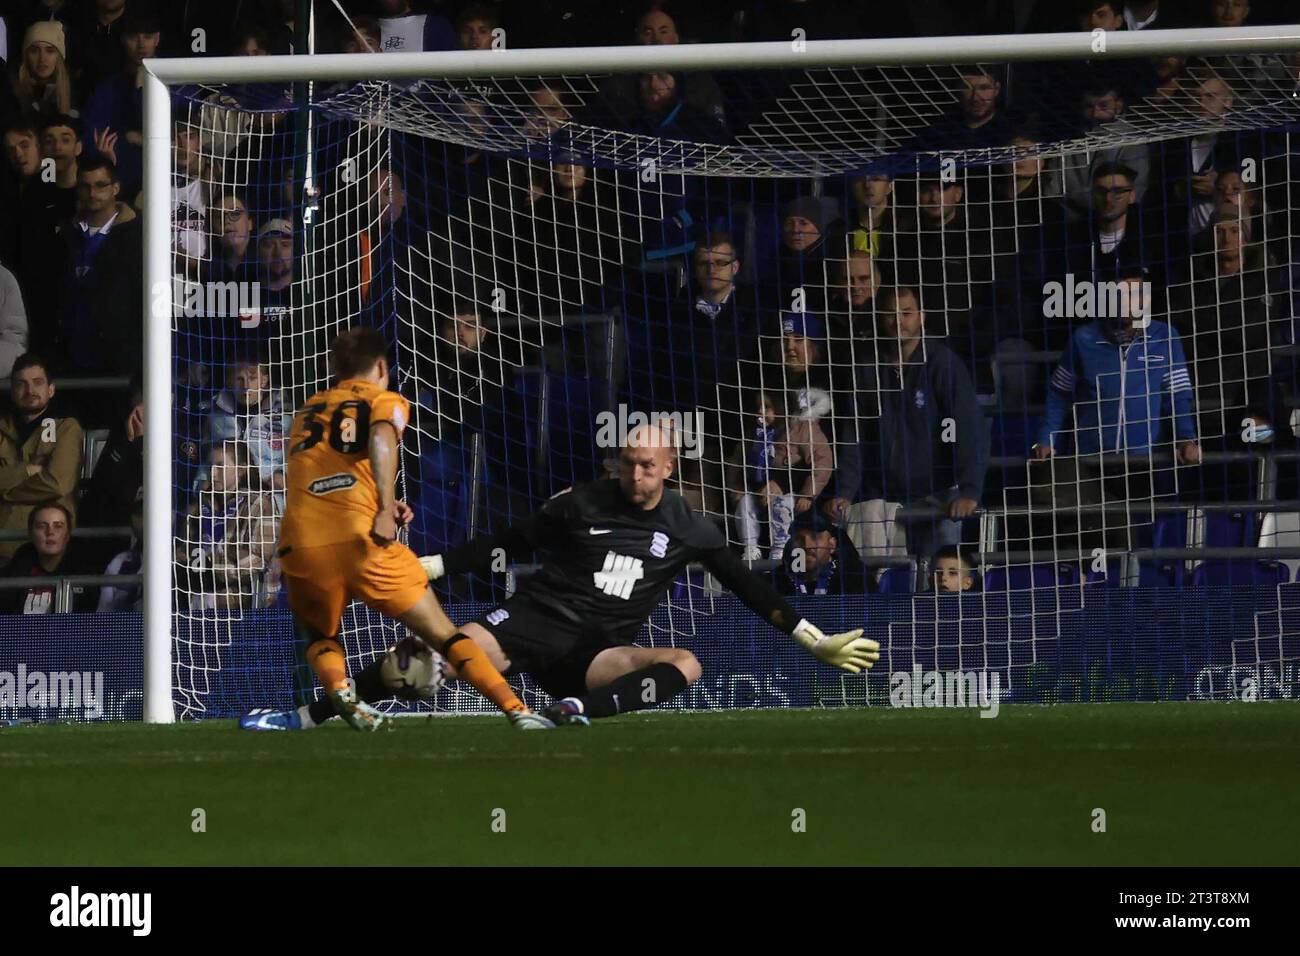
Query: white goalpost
(753,149)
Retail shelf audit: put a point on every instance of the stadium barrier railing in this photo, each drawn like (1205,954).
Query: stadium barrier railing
(64,583)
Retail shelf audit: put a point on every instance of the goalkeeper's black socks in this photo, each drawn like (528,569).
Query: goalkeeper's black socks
(370,689)
(638,690)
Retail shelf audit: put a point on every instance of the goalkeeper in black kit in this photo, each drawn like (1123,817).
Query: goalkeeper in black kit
(610,550)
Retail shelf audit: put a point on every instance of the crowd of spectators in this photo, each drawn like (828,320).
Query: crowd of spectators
(844,336)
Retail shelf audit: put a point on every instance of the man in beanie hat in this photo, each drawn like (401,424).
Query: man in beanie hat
(800,268)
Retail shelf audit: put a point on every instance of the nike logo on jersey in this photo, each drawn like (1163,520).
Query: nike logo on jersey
(599,530)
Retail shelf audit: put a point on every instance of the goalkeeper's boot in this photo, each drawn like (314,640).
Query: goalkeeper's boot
(568,713)
(357,713)
(527,720)
(265,718)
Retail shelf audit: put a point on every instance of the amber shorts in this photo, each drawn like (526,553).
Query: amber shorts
(321,580)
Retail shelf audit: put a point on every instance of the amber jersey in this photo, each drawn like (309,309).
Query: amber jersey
(331,494)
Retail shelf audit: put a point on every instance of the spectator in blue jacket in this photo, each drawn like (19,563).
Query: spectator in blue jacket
(1125,378)
(1122,389)
(921,439)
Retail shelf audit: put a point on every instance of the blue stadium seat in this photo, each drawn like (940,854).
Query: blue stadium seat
(1160,574)
(1111,576)
(1025,577)
(1170,530)
(1238,529)
(1238,573)
(897,580)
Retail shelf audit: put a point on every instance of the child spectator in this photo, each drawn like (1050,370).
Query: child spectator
(475,24)
(49,551)
(951,571)
(782,468)
(252,412)
(229,539)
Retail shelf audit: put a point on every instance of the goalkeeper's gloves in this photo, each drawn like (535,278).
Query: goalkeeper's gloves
(433,567)
(849,651)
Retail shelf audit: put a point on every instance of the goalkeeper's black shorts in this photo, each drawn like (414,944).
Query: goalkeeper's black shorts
(545,643)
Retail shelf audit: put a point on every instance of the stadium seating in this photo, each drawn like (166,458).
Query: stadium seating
(1239,573)
(1024,578)
(1109,576)
(896,580)
(1238,529)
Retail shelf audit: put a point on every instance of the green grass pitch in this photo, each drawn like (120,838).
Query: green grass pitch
(1179,784)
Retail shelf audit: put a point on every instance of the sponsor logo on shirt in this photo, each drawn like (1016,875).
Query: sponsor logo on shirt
(619,575)
(332,483)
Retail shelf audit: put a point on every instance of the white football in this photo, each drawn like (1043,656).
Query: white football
(412,671)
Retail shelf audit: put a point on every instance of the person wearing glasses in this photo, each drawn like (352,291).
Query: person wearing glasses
(698,344)
(1117,236)
(233,227)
